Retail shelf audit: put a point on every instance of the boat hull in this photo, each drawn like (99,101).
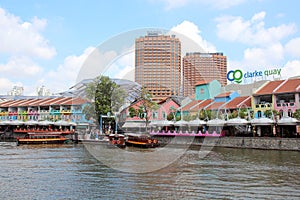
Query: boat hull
(141,144)
(42,141)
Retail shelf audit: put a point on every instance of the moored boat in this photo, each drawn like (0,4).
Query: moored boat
(117,140)
(140,140)
(36,138)
(111,140)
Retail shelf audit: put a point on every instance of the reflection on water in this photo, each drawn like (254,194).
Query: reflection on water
(70,172)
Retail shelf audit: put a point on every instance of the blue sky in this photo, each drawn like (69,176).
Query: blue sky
(46,42)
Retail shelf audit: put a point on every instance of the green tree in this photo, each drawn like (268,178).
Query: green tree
(147,105)
(202,114)
(89,111)
(296,114)
(271,113)
(132,112)
(105,96)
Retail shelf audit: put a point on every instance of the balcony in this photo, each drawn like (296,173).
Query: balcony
(76,111)
(286,105)
(54,112)
(3,113)
(264,106)
(65,111)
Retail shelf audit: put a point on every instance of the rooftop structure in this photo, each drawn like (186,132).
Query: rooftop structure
(158,64)
(199,67)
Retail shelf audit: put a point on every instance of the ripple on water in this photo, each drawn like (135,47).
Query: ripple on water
(69,172)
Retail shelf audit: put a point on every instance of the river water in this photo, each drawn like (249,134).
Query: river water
(71,172)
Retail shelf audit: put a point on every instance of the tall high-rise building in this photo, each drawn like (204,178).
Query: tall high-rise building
(202,67)
(43,91)
(158,64)
(16,91)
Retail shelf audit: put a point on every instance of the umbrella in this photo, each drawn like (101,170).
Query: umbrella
(61,123)
(197,122)
(216,122)
(45,123)
(162,123)
(5,122)
(287,121)
(72,124)
(31,122)
(133,124)
(237,121)
(16,122)
(181,123)
(263,121)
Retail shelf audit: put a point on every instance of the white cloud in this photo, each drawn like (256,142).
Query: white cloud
(123,67)
(6,85)
(265,44)
(292,47)
(218,4)
(191,31)
(24,38)
(253,31)
(291,68)
(65,75)
(262,57)
(20,67)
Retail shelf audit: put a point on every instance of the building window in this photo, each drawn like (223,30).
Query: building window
(201,91)
(259,114)
(290,113)
(163,114)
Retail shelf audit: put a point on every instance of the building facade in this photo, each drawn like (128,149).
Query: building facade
(203,67)
(39,109)
(158,64)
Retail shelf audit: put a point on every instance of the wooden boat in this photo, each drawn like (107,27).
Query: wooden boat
(36,138)
(111,140)
(117,140)
(140,140)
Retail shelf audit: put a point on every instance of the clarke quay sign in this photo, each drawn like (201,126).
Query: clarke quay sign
(237,75)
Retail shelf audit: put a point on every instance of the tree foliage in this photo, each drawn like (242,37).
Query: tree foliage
(271,113)
(147,105)
(296,114)
(106,97)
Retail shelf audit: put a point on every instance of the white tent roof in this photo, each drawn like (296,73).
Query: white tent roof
(197,122)
(263,121)
(287,121)
(216,122)
(133,124)
(237,121)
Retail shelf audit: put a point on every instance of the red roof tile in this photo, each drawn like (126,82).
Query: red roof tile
(15,103)
(215,106)
(43,102)
(62,100)
(203,104)
(225,94)
(269,87)
(203,82)
(74,101)
(190,105)
(6,103)
(25,103)
(238,102)
(291,85)
(37,102)
(51,101)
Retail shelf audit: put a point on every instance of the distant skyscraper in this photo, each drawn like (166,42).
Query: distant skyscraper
(203,67)
(158,64)
(43,91)
(16,91)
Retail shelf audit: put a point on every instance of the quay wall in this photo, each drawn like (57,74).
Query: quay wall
(270,143)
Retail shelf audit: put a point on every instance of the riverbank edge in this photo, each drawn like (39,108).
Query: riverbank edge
(264,143)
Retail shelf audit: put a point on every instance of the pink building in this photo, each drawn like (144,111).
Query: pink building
(166,106)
